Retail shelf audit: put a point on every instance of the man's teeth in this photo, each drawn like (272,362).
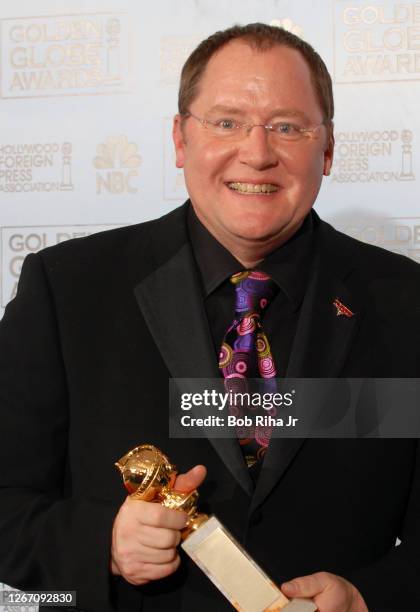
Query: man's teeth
(252,188)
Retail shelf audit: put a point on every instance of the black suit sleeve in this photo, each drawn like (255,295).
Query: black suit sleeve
(49,539)
(392,583)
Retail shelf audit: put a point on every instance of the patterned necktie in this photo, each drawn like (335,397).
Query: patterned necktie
(246,353)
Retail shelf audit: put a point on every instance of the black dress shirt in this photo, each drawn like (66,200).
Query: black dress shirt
(288,266)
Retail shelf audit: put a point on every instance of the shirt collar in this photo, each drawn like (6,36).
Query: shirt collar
(287,265)
(215,263)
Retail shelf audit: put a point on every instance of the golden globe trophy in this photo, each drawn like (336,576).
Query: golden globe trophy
(148,475)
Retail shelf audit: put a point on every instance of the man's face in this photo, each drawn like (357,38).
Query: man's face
(258,87)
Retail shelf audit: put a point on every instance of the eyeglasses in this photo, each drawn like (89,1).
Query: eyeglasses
(234,130)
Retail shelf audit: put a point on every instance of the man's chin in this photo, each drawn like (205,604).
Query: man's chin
(253,233)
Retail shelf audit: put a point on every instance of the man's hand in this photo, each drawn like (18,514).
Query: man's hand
(145,535)
(331,593)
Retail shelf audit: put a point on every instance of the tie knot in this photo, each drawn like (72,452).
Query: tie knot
(254,291)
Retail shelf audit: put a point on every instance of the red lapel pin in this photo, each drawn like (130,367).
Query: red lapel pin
(341,309)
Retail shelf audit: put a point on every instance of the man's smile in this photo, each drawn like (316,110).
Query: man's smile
(253,187)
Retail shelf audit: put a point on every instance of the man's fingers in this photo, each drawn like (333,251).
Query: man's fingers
(156,515)
(190,480)
(306,586)
(145,535)
(157,537)
(156,555)
(330,593)
(153,571)
(145,572)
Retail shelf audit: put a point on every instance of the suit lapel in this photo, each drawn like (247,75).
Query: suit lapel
(321,345)
(170,300)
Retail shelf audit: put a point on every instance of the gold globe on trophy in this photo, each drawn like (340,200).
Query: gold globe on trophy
(148,475)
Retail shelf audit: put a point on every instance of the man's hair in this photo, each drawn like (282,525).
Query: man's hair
(261,37)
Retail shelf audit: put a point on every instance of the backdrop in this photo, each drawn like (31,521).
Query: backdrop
(88,90)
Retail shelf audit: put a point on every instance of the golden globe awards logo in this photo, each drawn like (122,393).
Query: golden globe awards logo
(17,242)
(38,166)
(117,162)
(64,55)
(373,156)
(397,234)
(376,41)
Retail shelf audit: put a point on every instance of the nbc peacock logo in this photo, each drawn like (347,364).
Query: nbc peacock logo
(117,162)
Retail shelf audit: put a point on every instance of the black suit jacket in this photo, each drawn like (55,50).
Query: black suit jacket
(99,325)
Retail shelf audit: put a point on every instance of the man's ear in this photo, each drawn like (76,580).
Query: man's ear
(179,141)
(329,151)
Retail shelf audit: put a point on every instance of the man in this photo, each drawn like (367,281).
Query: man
(99,325)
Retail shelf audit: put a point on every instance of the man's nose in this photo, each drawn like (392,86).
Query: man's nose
(256,149)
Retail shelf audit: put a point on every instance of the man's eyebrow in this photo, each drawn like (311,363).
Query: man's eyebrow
(279,112)
(289,112)
(221,108)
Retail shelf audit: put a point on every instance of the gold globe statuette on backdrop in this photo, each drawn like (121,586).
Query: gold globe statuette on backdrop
(148,475)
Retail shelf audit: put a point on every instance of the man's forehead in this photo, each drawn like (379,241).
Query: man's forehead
(242,50)
(239,76)
(239,66)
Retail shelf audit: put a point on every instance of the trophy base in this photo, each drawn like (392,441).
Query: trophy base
(300,605)
(235,573)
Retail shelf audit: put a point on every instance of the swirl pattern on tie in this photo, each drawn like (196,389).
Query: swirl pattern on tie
(245,352)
